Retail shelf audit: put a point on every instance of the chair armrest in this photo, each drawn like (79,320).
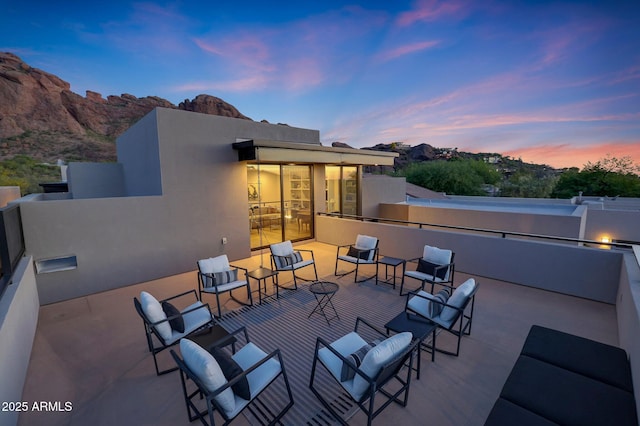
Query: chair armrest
(371,326)
(180,295)
(307,251)
(203,306)
(415,293)
(245,270)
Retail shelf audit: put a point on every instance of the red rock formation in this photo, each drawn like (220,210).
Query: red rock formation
(38,110)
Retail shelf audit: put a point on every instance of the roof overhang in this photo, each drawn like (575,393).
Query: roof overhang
(268,151)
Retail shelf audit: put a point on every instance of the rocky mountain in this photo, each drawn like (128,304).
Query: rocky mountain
(41,117)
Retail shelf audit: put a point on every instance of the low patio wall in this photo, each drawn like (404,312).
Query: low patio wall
(18,321)
(628,312)
(578,271)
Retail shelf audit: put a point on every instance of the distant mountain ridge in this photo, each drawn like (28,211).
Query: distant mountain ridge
(41,117)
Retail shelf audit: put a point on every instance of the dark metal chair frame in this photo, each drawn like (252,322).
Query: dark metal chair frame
(389,371)
(449,283)
(274,266)
(201,287)
(263,410)
(151,330)
(462,319)
(374,261)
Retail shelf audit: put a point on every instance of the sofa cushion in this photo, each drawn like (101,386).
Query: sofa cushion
(565,397)
(593,359)
(505,413)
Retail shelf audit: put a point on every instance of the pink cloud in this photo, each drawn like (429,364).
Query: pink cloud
(568,155)
(432,10)
(406,50)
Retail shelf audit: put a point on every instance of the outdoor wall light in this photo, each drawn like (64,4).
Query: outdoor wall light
(605,239)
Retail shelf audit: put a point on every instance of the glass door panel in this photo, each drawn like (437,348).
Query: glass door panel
(350,190)
(298,202)
(265,204)
(332,197)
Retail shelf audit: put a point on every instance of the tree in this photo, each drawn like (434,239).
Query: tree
(460,177)
(609,176)
(27,173)
(526,184)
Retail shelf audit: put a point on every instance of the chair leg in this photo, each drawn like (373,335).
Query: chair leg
(155,362)
(218,303)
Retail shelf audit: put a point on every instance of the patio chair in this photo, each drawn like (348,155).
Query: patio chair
(216,275)
(364,371)
(229,384)
(363,252)
(168,324)
(434,267)
(284,259)
(448,313)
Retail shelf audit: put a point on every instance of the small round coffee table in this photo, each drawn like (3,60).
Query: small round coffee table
(324,291)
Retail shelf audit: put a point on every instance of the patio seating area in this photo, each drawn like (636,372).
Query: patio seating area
(90,351)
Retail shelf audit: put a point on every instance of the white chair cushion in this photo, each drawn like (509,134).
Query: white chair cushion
(214,264)
(366,242)
(192,321)
(458,298)
(421,276)
(284,248)
(345,346)
(206,368)
(352,259)
(420,304)
(375,359)
(437,255)
(297,265)
(225,287)
(259,378)
(153,310)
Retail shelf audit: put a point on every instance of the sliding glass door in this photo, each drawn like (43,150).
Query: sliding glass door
(280,203)
(342,189)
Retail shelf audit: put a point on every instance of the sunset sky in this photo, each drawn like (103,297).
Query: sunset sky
(550,82)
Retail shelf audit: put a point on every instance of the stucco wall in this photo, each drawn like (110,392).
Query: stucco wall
(378,189)
(139,153)
(628,313)
(18,320)
(616,224)
(556,225)
(122,241)
(95,180)
(8,193)
(579,271)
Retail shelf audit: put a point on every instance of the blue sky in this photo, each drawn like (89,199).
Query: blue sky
(546,81)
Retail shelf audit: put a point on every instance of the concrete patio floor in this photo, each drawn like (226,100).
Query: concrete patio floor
(91,352)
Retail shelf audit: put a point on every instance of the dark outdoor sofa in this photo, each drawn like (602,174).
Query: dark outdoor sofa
(564,379)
